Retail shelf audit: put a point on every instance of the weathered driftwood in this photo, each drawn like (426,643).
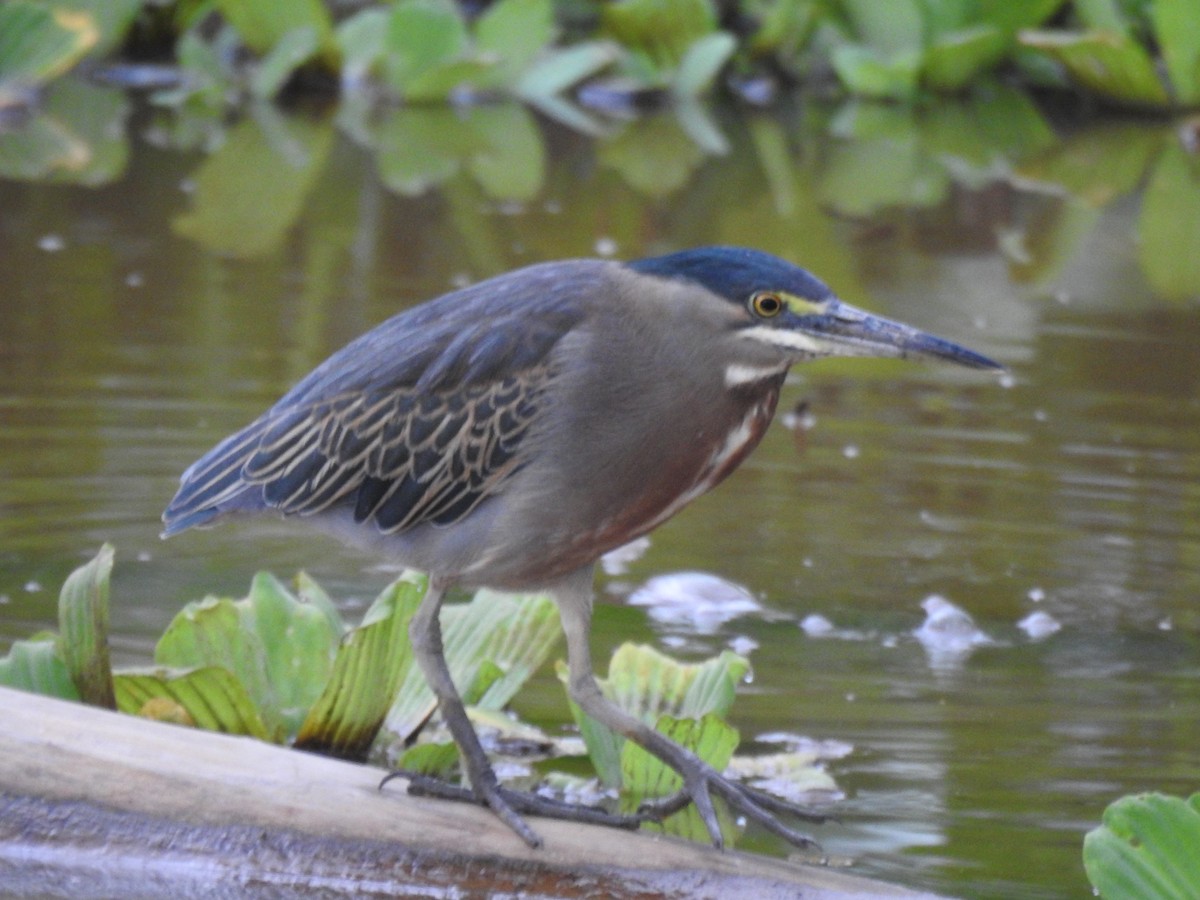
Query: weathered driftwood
(95,804)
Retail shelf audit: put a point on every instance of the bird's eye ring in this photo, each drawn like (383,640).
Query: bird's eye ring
(766,304)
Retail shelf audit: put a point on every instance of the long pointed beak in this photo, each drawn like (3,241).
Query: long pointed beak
(843,330)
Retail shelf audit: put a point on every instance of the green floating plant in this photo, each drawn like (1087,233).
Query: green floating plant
(206,697)
(370,663)
(689,703)
(671,44)
(75,135)
(1112,55)
(898,49)
(39,42)
(492,644)
(279,665)
(1146,848)
(253,189)
(426,51)
(276,645)
(83,618)
(265,25)
(43,39)
(1096,168)
(649,685)
(36,665)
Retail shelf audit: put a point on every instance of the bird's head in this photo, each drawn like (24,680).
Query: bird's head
(782,307)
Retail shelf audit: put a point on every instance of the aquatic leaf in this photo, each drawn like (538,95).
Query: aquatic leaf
(644,776)
(565,113)
(864,71)
(955,59)
(371,662)
(83,625)
(1175,28)
(653,154)
(112,18)
(421,36)
(1011,17)
(561,69)
(76,135)
(210,84)
(660,31)
(792,776)
(250,192)
(699,126)
(442,82)
(436,759)
(38,148)
(710,738)
(262,24)
(1097,165)
(511,163)
(702,63)
(557,70)
(1146,848)
(1042,251)
(649,685)
(39,42)
(1108,63)
(1103,15)
(362,39)
(419,149)
(278,646)
(516,32)
(891,29)
(775,159)
(211,696)
(292,50)
(864,175)
(512,634)
(36,666)
(1169,225)
(93,118)
(987,133)
(1011,122)
(167,710)
(783,27)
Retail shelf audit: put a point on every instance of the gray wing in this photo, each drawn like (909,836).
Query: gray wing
(417,421)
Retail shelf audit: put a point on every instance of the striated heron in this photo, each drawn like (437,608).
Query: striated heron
(510,433)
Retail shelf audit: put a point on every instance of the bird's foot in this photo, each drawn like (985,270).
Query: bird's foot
(510,805)
(701,782)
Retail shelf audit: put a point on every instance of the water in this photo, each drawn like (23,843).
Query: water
(174,282)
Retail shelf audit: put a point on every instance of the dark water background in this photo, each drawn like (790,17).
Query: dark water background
(162,280)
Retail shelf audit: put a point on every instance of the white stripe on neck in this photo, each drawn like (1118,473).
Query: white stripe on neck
(738,374)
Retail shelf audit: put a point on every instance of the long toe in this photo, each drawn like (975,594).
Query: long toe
(701,781)
(536,805)
(491,795)
(509,805)
(747,802)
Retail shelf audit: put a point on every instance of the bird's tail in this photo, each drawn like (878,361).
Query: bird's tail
(215,484)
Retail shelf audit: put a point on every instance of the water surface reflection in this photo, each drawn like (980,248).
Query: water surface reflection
(164,293)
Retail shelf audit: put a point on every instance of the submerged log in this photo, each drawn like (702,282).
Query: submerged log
(96,804)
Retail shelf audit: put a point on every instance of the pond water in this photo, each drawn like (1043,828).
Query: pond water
(164,279)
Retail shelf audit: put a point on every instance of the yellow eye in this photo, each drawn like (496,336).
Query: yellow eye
(766,304)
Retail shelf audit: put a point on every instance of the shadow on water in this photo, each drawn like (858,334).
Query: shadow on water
(167,278)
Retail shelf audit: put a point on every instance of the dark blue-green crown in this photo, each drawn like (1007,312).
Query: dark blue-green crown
(735,272)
